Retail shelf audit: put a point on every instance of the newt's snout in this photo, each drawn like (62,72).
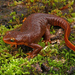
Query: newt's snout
(5,39)
(9,40)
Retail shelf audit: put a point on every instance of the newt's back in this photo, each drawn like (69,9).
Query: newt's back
(34,21)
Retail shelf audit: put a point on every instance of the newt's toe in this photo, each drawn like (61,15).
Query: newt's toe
(28,53)
(31,55)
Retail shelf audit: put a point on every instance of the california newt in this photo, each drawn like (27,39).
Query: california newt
(33,28)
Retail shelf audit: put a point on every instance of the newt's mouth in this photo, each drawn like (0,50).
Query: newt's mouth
(8,41)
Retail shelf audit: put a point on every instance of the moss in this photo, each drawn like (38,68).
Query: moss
(12,13)
(70,20)
(73,14)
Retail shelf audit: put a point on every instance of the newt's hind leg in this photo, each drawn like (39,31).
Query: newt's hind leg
(47,34)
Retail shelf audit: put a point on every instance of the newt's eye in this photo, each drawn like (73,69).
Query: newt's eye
(12,39)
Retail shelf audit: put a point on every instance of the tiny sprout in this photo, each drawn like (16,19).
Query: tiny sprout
(14,17)
(32,0)
(22,15)
(12,13)
(10,20)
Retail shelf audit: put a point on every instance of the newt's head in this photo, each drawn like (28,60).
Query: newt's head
(14,38)
(10,37)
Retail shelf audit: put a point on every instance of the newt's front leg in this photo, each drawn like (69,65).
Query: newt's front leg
(37,48)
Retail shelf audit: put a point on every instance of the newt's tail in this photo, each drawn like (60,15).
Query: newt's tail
(68,43)
(58,21)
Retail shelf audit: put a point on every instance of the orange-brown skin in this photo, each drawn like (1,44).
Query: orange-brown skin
(33,28)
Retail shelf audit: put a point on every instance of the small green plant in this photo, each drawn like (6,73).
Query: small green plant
(22,15)
(70,20)
(10,21)
(73,14)
(15,3)
(14,17)
(57,12)
(12,13)
(70,10)
(32,0)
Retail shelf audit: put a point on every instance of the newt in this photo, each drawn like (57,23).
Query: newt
(34,27)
